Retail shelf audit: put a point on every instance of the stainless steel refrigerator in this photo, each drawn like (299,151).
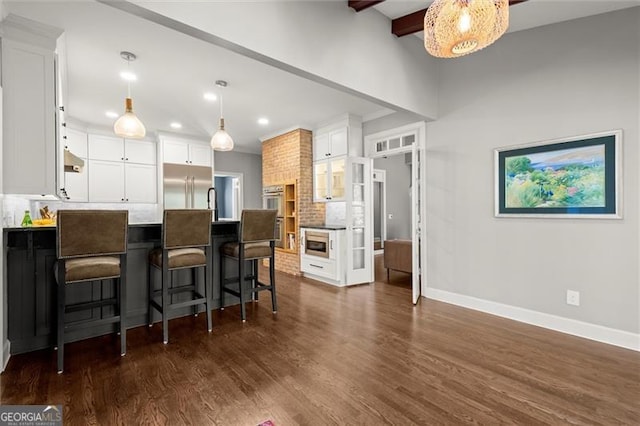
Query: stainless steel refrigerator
(185,187)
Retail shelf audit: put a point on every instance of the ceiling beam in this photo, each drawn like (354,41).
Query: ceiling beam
(414,22)
(359,5)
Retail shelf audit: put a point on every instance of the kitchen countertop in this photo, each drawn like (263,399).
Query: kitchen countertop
(131,225)
(329,227)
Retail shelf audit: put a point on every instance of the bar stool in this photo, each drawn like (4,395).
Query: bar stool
(91,246)
(186,244)
(256,241)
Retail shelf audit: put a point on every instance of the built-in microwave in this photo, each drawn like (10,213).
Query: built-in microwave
(317,243)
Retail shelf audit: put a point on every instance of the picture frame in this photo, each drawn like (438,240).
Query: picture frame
(574,177)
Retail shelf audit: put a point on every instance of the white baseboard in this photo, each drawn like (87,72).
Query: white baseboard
(599,333)
(6,353)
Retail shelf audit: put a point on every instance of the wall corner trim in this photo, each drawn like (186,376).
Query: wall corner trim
(6,354)
(590,331)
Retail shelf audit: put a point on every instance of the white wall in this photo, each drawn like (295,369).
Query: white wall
(561,80)
(387,122)
(321,40)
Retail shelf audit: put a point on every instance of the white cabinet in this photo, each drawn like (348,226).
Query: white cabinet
(121,170)
(76,185)
(141,152)
(329,269)
(140,183)
(333,144)
(328,179)
(111,148)
(107,148)
(330,144)
(106,181)
(182,152)
(76,142)
(29,106)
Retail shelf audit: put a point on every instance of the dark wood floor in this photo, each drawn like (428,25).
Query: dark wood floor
(361,355)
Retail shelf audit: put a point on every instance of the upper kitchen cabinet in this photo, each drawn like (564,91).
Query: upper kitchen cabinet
(333,144)
(110,148)
(329,178)
(29,106)
(178,151)
(342,136)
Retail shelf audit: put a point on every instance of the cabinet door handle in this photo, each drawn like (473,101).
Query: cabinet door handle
(126,159)
(331,245)
(122,158)
(316,266)
(121,199)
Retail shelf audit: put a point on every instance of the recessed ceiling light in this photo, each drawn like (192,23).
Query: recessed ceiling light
(111,114)
(128,76)
(210,96)
(176,125)
(263,121)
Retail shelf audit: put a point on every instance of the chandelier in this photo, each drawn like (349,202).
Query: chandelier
(455,28)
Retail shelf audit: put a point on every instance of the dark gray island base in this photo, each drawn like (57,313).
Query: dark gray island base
(30,255)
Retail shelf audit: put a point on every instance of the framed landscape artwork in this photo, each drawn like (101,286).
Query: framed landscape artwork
(578,177)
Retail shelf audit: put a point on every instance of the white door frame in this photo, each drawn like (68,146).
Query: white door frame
(237,198)
(381,176)
(419,238)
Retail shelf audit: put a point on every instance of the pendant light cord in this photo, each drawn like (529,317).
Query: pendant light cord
(129,80)
(221,106)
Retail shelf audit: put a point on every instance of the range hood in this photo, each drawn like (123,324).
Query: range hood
(72,163)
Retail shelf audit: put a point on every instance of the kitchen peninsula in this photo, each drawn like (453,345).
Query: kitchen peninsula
(30,255)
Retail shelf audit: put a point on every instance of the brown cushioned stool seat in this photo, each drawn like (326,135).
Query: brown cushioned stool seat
(251,250)
(179,258)
(186,244)
(92,268)
(91,246)
(256,241)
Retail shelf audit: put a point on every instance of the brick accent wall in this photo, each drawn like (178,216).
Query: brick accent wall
(286,158)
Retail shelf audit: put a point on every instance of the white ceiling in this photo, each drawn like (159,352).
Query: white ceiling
(174,70)
(530,14)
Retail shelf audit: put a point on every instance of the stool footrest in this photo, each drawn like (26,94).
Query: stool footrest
(233,292)
(91,323)
(175,290)
(90,305)
(200,300)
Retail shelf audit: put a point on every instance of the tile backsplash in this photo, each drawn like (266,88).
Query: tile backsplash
(14,207)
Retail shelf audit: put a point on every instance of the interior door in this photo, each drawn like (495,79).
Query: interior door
(416,219)
(359,215)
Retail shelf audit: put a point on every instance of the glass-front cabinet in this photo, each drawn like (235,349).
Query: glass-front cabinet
(329,180)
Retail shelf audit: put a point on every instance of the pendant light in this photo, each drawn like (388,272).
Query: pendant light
(455,28)
(128,125)
(221,141)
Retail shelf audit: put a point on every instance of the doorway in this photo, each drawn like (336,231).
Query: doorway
(407,144)
(229,194)
(379,211)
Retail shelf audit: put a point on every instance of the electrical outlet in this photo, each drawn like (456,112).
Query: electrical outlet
(573,297)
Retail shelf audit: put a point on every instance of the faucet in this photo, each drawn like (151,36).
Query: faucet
(215,202)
